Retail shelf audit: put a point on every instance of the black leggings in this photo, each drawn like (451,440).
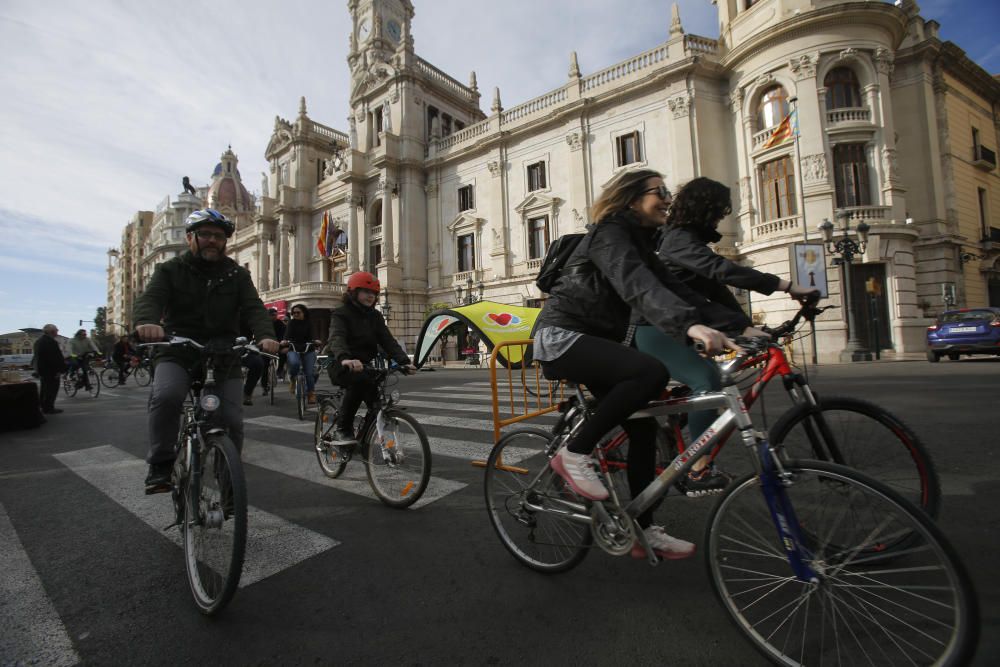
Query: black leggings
(623,380)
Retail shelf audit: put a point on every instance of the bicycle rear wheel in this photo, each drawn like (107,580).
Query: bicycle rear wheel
(331,460)
(215,525)
(142,376)
(398,463)
(903,606)
(865,437)
(523,498)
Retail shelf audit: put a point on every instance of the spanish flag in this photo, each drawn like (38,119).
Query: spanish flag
(321,241)
(786,129)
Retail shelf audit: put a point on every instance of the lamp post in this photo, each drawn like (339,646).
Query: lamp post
(469,296)
(386,307)
(847,248)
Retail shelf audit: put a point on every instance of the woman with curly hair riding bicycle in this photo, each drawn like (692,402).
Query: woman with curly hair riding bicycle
(692,223)
(577,335)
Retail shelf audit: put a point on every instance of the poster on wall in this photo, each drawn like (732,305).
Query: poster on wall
(808,263)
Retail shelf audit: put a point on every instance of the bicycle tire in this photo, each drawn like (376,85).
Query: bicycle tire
(300,396)
(69,385)
(215,525)
(331,462)
(142,376)
(109,378)
(859,611)
(398,468)
(868,438)
(95,383)
(272,379)
(542,541)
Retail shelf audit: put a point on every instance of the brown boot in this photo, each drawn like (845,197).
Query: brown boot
(311,398)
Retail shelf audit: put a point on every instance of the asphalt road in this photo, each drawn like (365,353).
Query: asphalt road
(333,577)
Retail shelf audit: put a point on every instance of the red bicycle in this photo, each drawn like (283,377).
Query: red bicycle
(839,429)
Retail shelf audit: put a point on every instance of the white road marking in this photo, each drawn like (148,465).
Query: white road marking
(273,544)
(33,633)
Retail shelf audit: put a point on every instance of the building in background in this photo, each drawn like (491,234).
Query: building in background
(895,128)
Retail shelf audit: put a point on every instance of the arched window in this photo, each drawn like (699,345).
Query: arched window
(842,89)
(375,238)
(772,108)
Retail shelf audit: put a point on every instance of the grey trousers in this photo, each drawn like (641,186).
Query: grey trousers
(166,404)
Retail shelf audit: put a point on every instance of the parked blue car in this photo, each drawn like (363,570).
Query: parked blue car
(964,331)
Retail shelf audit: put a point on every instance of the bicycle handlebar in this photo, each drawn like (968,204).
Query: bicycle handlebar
(241,344)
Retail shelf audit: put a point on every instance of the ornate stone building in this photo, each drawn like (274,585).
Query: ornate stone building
(896,129)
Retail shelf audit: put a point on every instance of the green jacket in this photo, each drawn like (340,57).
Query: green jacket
(203,301)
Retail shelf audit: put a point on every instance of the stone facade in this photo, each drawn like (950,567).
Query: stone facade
(431,192)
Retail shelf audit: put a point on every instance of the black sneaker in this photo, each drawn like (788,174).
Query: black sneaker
(247,399)
(158,479)
(343,437)
(705,482)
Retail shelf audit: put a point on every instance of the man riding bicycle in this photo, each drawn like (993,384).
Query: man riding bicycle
(81,349)
(357,331)
(201,294)
(122,354)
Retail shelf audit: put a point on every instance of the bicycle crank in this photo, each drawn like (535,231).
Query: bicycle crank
(613,529)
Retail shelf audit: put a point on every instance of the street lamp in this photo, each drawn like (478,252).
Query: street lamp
(469,296)
(847,248)
(386,308)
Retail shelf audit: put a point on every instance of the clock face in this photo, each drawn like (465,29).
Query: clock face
(364,29)
(393,30)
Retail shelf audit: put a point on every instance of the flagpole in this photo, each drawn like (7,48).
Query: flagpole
(794,101)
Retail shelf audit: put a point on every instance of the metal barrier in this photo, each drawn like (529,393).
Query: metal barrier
(527,393)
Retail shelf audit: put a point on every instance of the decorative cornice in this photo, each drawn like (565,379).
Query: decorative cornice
(680,105)
(803,67)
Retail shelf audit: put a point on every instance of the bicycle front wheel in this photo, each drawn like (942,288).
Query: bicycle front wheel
(109,378)
(300,396)
(272,379)
(142,376)
(69,385)
(94,379)
(527,504)
(215,525)
(912,606)
(398,462)
(865,437)
(330,457)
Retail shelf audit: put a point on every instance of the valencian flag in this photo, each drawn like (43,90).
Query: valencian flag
(494,322)
(786,129)
(321,243)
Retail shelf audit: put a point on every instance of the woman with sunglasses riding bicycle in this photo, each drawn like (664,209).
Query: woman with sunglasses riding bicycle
(302,350)
(692,224)
(357,331)
(577,335)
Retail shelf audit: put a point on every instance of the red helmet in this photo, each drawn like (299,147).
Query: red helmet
(363,280)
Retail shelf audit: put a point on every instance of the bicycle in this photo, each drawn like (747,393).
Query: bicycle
(208,487)
(140,369)
(812,560)
(840,429)
(72,380)
(270,377)
(298,383)
(391,443)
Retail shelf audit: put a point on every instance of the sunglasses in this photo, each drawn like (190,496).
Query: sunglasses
(662,192)
(206,235)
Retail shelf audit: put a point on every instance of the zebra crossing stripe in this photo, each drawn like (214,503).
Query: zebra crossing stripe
(33,633)
(302,464)
(463,449)
(273,544)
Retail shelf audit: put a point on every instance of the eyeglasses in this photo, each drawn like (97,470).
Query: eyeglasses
(206,235)
(662,192)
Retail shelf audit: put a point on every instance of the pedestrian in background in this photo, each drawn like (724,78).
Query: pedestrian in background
(49,365)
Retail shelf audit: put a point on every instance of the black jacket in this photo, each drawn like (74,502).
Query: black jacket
(685,251)
(628,277)
(357,332)
(48,359)
(204,301)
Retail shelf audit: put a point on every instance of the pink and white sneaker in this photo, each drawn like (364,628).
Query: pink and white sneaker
(578,471)
(664,546)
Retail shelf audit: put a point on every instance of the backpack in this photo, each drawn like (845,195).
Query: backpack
(554,264)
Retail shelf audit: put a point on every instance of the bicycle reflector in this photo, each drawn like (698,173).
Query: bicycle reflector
(209,402)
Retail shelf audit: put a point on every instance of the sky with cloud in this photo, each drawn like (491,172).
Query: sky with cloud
(107,104)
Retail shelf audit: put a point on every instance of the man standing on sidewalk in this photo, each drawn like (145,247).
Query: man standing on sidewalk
(49,364)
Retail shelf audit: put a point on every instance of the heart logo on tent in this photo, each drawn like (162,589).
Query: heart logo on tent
(503,319)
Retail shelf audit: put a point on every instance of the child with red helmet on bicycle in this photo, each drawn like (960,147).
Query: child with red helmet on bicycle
(357,331)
